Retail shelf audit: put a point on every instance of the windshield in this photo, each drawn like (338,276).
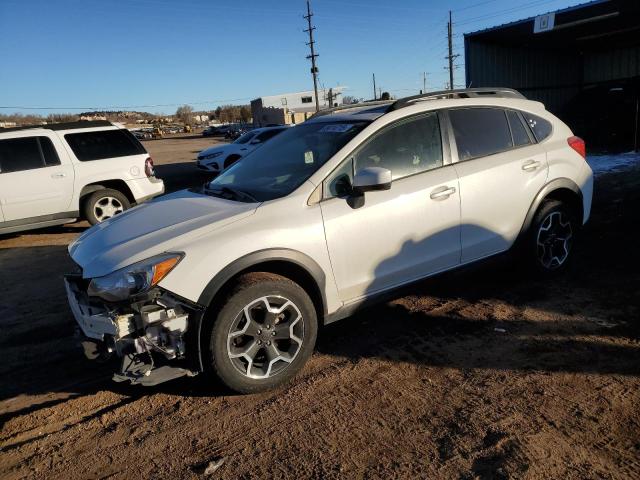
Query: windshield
(245,138)
(286,161)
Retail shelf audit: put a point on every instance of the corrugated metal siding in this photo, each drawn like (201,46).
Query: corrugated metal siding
(520,67)
(612,64)
(549,76)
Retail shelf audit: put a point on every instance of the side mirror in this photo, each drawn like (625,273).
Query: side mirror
(370,179)
(255,141)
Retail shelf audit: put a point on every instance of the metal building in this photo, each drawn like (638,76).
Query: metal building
(292,108)
(583,62)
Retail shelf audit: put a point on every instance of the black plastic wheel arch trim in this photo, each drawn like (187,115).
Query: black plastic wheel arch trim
(556,184)
(250,260)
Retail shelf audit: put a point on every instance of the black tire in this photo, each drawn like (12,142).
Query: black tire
(550,239)
(234,372)
(116,200)
(230,160)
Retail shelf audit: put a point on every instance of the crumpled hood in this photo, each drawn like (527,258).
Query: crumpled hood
(152,228)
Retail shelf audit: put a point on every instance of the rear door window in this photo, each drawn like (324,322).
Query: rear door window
(49,152)
(541,128)
(480,131)
(18,154)
(89,146)
(518,130)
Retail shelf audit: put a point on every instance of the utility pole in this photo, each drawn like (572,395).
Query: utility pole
(451,56)
(313,55)
(375,93)
(424,82)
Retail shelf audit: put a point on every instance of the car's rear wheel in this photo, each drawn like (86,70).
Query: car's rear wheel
(104,204)
(551,237)
(263,334)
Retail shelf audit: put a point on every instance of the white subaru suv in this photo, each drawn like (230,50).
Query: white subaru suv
(54,174)
(235,277)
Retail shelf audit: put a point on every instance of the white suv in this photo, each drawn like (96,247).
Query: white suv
(234,278)
(54,174)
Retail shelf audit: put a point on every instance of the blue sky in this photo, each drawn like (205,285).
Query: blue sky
(154,55)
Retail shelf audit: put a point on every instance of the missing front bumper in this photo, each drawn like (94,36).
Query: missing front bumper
(149,336)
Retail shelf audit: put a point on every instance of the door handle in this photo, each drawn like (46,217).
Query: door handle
(530,165)
(442,193)
(58,175)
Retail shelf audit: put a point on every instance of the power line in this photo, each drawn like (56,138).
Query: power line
(468,7)
(125,107)
(506,11)
(313,55)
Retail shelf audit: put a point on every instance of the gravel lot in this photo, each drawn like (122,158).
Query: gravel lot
(477,374)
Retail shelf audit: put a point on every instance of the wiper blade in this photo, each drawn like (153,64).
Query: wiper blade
(232,192)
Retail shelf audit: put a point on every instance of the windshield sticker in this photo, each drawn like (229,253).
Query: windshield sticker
(336,128)
(308,156)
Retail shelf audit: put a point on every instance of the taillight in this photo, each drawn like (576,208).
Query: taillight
(148,167)
(578,145)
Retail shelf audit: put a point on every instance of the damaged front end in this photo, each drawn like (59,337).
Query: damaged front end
(150,332)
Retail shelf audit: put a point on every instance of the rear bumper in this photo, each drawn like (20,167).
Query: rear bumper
(144,189)
(151,337)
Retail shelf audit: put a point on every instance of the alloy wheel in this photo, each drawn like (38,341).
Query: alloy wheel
(107,207)
(554,240)
(265,337)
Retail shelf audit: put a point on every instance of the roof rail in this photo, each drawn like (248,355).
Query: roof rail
(62,126)
(372,103)
(442,94)
(460,93)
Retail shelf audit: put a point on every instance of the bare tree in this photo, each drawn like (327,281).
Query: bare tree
(245,114)
(185,114)
(349,100)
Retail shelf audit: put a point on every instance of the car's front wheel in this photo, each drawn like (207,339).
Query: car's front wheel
(263,334)
(104,204)
(551,237)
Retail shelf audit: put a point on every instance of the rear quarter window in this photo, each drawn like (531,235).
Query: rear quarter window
(89,146)
(540,127)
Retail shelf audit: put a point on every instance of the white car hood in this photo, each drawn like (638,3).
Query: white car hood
(152,228)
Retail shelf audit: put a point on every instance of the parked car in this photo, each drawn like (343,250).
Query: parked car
(236,131)
(142,135)
(217,158)
(209,131)
(331,215)
(55,174)
(223,129)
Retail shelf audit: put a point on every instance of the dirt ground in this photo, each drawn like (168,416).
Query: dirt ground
(476,374)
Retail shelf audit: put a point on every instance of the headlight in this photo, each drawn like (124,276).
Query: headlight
(134,279)
(211,155)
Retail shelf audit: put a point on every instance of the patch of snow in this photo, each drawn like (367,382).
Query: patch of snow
(612,163)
